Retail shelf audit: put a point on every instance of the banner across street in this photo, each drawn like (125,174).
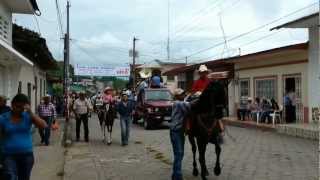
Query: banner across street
(93,70)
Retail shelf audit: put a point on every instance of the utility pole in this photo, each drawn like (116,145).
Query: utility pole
(66,64)
(168,42)
(186,60)
(134,63)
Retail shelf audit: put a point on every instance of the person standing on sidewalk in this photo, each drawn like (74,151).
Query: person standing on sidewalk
(17,147)
(3,109)
(3,105)
(125,109)
(47,112)
(81,108)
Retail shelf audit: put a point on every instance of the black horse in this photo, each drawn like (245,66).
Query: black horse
(107,114)
(205,128)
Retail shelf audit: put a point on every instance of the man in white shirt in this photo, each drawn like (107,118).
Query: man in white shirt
(81,108)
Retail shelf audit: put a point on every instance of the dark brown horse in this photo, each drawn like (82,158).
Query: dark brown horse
(204,128)
(107,114)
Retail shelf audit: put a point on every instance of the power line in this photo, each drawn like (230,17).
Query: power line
(203,12)
(87,53)
(253,30)
(243,45)
(120,49)
(195,28)
(59,17)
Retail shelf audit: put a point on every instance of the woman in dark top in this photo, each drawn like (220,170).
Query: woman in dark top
(274,104)
(266,111)
(17,139)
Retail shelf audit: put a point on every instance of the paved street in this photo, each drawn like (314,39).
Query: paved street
(253,155)
(49,160)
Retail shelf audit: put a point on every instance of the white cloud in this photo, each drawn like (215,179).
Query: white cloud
(105,28)
(101,40)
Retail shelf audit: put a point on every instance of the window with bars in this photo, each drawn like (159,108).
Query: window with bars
(244,86)
(4,28)
(20,87)
(266,88)
(170,78)
(29,90)
(182,84)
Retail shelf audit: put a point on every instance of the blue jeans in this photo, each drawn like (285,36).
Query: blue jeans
(125,122)
(17,166)
(46,132)
(177,141)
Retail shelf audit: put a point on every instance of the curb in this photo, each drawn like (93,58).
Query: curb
(249,126)
(67,134)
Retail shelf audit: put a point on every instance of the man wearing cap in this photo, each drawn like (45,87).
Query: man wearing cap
(3,105)
(47,112)
(202,83)
(180,109)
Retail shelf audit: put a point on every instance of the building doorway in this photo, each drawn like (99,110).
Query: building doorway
(292,83)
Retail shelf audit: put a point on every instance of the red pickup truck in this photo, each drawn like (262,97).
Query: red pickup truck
(154,106)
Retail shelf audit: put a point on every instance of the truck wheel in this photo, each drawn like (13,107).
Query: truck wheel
(147,124)
(135,119)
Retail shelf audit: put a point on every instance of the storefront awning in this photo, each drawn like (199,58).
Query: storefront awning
(13,55)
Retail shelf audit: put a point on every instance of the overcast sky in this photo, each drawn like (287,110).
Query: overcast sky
(102,31)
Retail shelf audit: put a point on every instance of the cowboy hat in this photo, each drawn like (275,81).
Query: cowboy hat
(108,88)
(198,93)
(178,92)
(145,73)
(203,68)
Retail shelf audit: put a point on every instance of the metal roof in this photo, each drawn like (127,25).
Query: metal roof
(309,19)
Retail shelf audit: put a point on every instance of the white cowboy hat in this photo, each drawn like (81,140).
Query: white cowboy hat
(198,93)
(203,68)
(108,88)
(145,73)
(178,92)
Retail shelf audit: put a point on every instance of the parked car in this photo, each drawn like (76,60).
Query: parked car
(154,106)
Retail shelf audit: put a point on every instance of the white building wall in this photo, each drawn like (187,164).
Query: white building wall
(314,70)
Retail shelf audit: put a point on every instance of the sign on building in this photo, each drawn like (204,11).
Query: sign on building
(91,70)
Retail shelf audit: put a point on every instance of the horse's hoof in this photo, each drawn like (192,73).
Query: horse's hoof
(206,172)
(217,170)
(195,172)
(204,178)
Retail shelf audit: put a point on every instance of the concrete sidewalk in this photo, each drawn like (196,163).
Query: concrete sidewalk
(49,160)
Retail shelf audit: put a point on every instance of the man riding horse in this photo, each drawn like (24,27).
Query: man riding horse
(107,114)
(202,123)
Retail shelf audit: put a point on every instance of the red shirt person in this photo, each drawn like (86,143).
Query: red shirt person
(202,83)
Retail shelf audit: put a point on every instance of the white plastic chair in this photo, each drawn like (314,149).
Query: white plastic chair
(257,116)
(276,114)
